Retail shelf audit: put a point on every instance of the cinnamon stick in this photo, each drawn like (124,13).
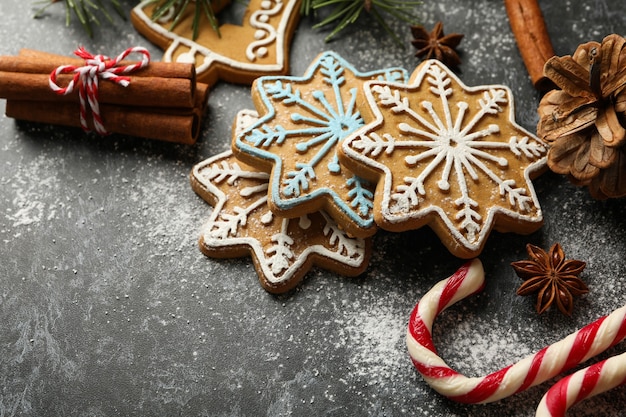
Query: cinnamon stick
(142,91)
(39,62)
(162,101)
(202,97)
(533,40)
(142,122)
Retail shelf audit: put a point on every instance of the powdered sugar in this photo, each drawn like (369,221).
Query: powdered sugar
(163,217)
(34,187)
(375,336)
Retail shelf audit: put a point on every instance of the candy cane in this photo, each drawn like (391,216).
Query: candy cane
(86,78)
(583,384)
(532,370)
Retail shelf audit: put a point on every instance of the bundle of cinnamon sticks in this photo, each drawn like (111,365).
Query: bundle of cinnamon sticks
(163,101)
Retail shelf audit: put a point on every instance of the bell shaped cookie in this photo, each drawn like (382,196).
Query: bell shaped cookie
(238,53)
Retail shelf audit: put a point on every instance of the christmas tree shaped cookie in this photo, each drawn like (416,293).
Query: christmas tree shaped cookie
(303,121)
(449,156)
(283,249)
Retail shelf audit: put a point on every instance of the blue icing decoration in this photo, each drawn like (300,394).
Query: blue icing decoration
(333,165)
(267,136)
(326,116)
(362,198)
(297,180)
(393,75)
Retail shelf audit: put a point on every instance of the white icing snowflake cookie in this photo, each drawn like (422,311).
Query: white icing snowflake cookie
(449,156)
(238,54)
(283,249)
(303,122)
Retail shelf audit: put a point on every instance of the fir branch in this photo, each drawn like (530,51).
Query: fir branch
(343,13)
(86,11)
(180,7)
(346,12)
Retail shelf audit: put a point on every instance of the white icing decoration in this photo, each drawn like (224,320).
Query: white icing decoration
(275,35)
(170,14)
(280,254)
(222,171)
(277,262)
(336,236)
(266,33)
(267,217)
(186,58)
(245,118)
(304,222)
(250,191)
(454,145)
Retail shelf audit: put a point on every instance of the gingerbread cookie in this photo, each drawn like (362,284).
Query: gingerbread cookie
(303,121)
(448,156)
(238,54)
(283,250)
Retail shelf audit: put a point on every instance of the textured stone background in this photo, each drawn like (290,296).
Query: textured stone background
(108,308)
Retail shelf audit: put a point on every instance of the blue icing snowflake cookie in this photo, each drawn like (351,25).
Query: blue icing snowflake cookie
(303,121)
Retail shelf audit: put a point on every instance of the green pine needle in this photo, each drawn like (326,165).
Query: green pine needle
(342,14)
(180,6)
(346,12)
(86,11)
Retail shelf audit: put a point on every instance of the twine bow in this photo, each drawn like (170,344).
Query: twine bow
(86,79)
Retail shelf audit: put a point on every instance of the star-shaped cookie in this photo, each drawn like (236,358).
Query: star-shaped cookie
(449,156)
(302,122)
(283,249)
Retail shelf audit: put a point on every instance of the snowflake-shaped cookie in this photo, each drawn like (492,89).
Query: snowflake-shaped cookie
(303,121)
(449,156)
(283,249)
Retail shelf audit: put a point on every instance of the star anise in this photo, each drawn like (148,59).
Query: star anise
(436,44)
(552,277)
(585,121)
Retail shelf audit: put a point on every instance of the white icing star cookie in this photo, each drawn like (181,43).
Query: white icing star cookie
(283,249)
(449,156)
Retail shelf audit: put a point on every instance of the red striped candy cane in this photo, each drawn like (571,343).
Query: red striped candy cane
(583,384)
(532,370)
(86,79)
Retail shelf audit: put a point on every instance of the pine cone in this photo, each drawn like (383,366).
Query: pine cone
(585,121)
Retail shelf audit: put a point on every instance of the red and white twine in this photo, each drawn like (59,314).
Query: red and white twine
(532,370)
(86,80)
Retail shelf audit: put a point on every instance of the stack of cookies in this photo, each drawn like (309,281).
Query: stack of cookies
(326,159)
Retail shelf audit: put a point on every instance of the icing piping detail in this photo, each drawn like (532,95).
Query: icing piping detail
(226,227)
(266,33)
(317,120)
(448,145)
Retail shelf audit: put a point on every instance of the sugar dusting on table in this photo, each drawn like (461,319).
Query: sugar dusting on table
(35,186)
